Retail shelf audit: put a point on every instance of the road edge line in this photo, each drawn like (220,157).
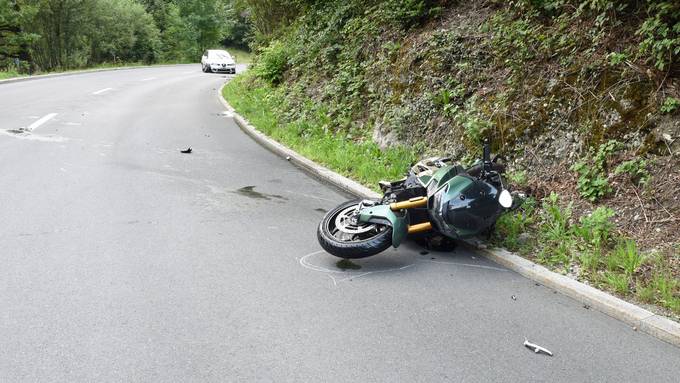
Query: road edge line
(84,71)
(652,324)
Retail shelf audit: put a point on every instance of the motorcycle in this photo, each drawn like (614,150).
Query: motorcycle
(436,199)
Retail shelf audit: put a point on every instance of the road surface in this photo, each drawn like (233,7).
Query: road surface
(124,260)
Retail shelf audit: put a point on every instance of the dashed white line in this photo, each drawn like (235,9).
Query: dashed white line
(148,79)
(41,121)
(100,91)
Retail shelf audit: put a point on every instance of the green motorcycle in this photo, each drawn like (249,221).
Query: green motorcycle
(436,199)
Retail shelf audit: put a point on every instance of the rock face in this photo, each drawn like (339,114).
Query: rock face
(384,139)
(666,136)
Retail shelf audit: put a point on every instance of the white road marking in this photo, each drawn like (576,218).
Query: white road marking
(148,79)
(41,121)
(100,91)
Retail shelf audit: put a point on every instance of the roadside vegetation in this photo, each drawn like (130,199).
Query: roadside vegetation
(355,156)
(581,97)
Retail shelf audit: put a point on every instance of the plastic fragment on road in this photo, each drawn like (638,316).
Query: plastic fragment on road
(186,151)
(536,348)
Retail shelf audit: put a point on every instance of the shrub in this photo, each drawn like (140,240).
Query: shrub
(661,33)
(272,62)
(592,180)
(636,169)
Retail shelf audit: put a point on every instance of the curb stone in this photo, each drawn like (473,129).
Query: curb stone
(655,325)
(84,71)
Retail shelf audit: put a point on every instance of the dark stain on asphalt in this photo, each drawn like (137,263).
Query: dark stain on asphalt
(249,191)
(320,210)
(346,264)
(16,131)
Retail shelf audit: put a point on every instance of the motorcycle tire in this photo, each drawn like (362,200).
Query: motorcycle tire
(375,242)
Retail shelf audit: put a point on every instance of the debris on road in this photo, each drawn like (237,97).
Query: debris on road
(514,298)
(536,348)
(186,151)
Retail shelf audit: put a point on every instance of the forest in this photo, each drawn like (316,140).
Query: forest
(50,35)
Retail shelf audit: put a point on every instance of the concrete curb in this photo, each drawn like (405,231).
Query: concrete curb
(644,320)
(84,71)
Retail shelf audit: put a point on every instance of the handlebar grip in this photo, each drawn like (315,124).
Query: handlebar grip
(487,152)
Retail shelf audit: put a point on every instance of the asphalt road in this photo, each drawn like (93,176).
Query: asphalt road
(124,260)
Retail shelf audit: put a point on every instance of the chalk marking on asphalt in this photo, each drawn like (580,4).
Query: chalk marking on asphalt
(307,265)
(375,272)
(466,265)
(148,79)
(41,121)
(100,91)
(303,261)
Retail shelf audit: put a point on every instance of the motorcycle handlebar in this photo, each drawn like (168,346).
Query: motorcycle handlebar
(476,170)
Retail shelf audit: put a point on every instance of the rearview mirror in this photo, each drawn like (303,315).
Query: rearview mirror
(505,199)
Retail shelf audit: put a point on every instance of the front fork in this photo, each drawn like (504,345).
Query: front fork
(394,215)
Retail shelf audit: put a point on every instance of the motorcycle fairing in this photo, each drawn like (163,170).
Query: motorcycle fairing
(383,215)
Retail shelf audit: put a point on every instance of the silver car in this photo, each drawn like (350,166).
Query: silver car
(215,60)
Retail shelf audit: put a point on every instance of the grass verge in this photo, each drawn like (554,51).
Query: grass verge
(356,157)
(589,249)
(242,56)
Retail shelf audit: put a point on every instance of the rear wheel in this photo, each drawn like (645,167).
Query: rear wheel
(341,234)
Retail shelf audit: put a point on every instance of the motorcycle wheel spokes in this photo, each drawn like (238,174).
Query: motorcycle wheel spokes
(345,226)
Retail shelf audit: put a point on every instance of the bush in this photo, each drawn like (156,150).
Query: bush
(272,62)
(592,180)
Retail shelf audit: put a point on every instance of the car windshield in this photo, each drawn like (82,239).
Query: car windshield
(220,55)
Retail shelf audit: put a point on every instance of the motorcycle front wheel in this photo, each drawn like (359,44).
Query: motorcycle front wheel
(340,233)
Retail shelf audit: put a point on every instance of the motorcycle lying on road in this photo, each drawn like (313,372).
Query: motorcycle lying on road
(436,198)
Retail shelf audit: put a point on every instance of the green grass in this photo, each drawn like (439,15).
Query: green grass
(356,157)
(5,74)
(242,56)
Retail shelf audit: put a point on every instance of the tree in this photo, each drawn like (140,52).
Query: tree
(14,40)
